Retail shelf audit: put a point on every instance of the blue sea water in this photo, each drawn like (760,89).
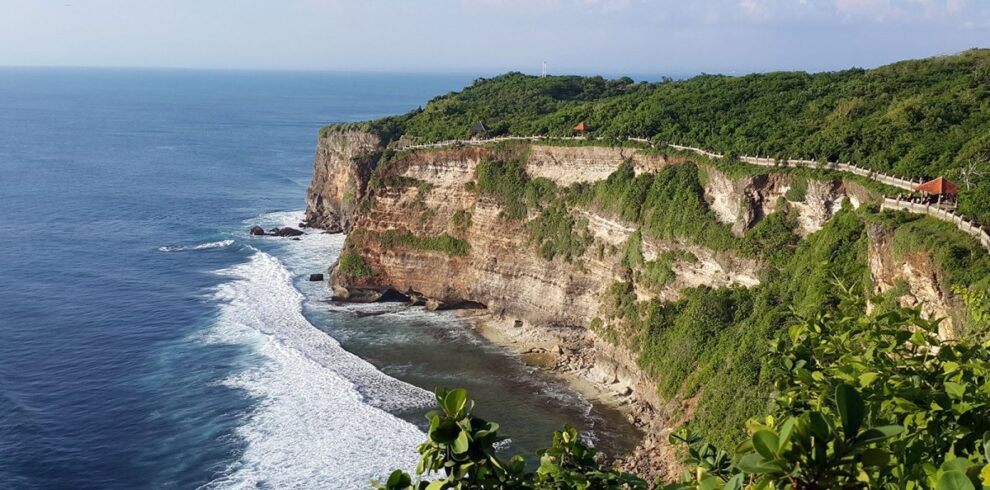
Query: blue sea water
(146,341)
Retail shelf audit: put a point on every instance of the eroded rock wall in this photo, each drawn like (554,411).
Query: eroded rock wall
(344,161)
(741,202)
(914,279)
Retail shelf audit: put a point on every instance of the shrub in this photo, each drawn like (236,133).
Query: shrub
(454,247)
(798,189)
(863,402)
(460,450)
(352,264)
(557,234)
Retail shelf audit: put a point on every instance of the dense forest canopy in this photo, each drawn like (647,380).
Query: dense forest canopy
(918,119)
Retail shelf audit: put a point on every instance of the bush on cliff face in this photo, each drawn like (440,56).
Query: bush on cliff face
(454,247)
(863,402)
(460,451)
(711,345)
(352,264)
(557,234)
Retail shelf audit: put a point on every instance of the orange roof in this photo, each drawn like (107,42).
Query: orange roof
(581,127)
(940,185)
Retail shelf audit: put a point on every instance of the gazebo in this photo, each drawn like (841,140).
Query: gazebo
(939,187)
(581,128)
(479,130)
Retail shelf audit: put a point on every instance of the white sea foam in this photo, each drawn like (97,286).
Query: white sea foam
(312,426)
(201,246)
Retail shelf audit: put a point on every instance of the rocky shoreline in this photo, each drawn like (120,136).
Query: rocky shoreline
(575,356)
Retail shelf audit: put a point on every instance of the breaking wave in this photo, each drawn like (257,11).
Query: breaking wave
(311,426)
(201,246)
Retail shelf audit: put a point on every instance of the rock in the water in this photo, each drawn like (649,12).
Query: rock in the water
(257,230)
(287,231)
(355,295)
(316,277)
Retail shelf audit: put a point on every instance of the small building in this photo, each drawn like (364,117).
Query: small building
(480,130)
(939,188)
(581,128)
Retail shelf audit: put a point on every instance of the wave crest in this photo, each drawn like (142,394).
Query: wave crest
(319,418)
(201,246)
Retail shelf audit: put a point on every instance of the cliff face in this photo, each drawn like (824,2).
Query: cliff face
(501,270)
(544,305)
(742,202)
(344,161)
(913,280)
(424,231)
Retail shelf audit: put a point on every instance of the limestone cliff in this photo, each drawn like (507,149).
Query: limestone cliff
(912,279)
(741,202)
(344,161)
(420,228)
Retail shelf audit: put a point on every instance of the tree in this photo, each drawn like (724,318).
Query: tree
(864,403)
(973,169)
(461,449)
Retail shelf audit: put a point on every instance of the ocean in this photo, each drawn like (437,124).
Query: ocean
(147,341)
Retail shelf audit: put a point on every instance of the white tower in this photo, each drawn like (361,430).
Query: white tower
(544,75)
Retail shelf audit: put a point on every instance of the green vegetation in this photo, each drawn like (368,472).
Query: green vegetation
(668,205)
(920,118)
(460,450)
(712,343)
(962,260)
(555,233)
(454,247)
(975,203)
(862,402)
(504,177)
(352,264)
(855,400)
(798,190)
(461,219)
(655,274)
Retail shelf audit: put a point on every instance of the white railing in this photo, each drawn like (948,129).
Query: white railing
(964,225)
(479,142)
(842,167)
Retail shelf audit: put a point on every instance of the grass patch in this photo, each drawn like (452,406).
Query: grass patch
(352,264)
(454,247)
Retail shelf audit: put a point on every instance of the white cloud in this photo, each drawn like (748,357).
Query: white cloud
(876,9)
(510,6)
(907,10)
(524,7)
(751,7)
(607,6)
(956,6)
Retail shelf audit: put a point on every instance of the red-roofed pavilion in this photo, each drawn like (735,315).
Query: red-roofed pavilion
(939,186)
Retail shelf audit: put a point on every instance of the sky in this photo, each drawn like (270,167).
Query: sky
(664,37)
